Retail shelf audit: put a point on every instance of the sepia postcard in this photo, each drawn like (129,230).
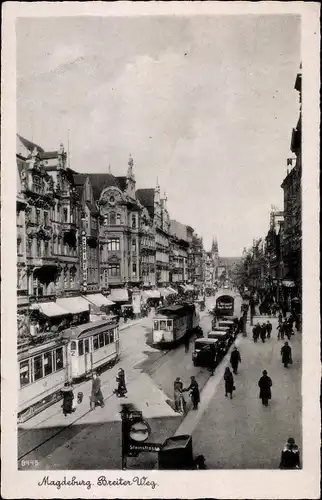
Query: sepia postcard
(160,250)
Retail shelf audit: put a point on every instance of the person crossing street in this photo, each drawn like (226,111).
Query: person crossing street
(235,359)
(265,384)
(286,353)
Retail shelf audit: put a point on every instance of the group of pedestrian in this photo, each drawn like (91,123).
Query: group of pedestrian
(262,331)
(179,401)
(96,396)
(285,327)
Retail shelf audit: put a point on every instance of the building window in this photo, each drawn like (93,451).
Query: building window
(38,248)
(19,246)
(65,215)
(37,216)
(24,373)
(134,221)
(36,184)
(134,269)
(112,218)
(114,270)
(105,220)
(113,244)
(46,218)
(118,219)
(48,363)
(134,246)
(38,367)
(46,249)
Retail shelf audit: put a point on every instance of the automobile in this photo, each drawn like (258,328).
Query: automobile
(224,338)
(206,352)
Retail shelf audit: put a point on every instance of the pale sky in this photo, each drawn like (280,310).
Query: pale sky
(206,104)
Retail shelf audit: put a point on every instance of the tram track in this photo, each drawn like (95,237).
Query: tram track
(64,429)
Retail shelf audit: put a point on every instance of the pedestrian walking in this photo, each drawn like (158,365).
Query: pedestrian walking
(186,343)
(194,392)
(263,332)
(235,359)
(96,395)
(255,334)
(287,329)
(68,399)
(269,329)
(229,383)
(121,384)
(280,331)
(265,384)
(290,456)
(178,397)
(286,353)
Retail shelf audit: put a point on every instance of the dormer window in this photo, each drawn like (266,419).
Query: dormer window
(134,221)
(112,218)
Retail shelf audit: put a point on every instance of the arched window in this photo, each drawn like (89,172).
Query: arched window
(112,218)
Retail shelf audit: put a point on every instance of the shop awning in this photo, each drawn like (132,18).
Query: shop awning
(183,287)
(190,288)
(288,283)
(119,295)
(22,302)
(98,300)
(163,292)
(49,309)
(152,294)
(172,290)
(74,305)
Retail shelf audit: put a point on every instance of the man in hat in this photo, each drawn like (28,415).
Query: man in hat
(235,359)
(290,457)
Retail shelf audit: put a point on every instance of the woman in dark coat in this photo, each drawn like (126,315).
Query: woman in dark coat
(194,392)
(286,353)
(229,383)
(265,384)
(96,396)
(68,396)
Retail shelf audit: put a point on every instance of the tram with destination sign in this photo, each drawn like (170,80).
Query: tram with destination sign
(171,324)
(225,306)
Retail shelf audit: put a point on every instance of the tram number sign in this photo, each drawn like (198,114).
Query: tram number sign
(145,447)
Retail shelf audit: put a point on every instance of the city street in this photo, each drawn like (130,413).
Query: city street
(241,433)
(76,441)
(237,433)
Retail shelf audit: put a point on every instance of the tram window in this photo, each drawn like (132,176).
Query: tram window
(163,325)
(24,373)
(80,348)
(73,346)
(38,367)
(107,338)
(156,325)
(111,333)
(101,339)
(95,342)
(86,345)
(169,323)
(48,363)
(59,358)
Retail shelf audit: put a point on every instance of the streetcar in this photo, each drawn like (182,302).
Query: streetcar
(225,305)
(92,346)
(73,355)
(172,323)
(42,372)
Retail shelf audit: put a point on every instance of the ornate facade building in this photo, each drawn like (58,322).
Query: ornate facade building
(120,213)
(178,257)
(292,231)
(88,224)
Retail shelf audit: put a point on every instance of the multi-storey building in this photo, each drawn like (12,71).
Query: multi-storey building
(22,277)
(119,229)
(88,225)
(178,257)
(292,231)
(274,255)
(197,252)
(157,209)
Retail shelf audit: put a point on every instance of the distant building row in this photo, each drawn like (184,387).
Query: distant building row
(79,233)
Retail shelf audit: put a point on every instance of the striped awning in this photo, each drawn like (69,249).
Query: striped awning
(49,309)
(190,288)
(74,305)
(98,300)
(172,290)
(119,295)
(152,294)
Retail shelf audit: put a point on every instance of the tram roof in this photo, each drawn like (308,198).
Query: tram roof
(173,310)
(89,329)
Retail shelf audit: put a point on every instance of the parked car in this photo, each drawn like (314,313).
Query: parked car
(206,352)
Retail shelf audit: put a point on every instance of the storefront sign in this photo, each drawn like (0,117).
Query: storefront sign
(84,259)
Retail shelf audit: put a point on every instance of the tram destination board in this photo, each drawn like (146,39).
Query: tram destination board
(145,447)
